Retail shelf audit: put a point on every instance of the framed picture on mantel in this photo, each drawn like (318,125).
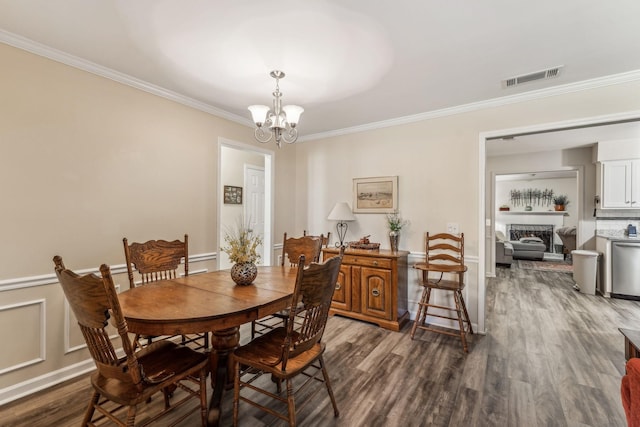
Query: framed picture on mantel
(375,195)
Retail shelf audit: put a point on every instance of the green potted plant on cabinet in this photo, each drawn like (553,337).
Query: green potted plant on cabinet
(395,223)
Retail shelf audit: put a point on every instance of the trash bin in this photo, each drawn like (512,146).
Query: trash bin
(585,270)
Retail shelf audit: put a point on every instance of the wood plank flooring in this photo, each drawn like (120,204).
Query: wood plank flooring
(551,357)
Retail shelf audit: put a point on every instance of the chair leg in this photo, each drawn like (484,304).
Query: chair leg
(203,395)
(466,314)
(456,298)
(131,416)
(291,404)
(236,392)
(327,383)
(91,408)
(421,316)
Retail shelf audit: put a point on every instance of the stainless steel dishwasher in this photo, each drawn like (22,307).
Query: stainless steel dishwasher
(625,269)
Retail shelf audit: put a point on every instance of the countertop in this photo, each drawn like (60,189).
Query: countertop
(617,236)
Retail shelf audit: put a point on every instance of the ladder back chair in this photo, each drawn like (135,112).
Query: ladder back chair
(443,269)
(125,382)
(159,260)
(292,249)
(286,352)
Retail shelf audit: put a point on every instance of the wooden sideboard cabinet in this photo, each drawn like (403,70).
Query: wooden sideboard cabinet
(372,286)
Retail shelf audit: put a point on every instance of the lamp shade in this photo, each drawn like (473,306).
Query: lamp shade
(341,212)
(259,113)
(293,113)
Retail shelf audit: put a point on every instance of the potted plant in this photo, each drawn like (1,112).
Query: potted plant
(242,248)
(560,201)
(395,223)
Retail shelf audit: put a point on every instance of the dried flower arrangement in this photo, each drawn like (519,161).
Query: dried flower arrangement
(242,244)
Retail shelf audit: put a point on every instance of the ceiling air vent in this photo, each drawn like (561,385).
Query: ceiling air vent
(526,78)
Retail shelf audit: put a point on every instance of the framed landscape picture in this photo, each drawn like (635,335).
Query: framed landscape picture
(232,195)
(375,195)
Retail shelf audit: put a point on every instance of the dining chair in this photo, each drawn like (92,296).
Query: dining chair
(125,382)
(159,260)
(292,249)
(326,238)
(443,270)
(287,351)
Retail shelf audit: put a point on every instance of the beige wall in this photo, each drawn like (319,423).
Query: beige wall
(84,162)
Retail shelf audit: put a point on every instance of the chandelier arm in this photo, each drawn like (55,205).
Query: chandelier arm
(290,135)
(262,136)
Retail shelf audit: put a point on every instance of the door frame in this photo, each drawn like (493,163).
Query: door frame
(269,175)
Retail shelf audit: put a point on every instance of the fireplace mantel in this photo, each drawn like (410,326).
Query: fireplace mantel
(554,218)
(533,213)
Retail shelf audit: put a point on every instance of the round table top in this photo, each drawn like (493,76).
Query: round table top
(206,302)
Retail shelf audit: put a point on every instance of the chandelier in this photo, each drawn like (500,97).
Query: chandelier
(282,121)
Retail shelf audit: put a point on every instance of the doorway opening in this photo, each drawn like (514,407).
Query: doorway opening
(485,202)
(250,168)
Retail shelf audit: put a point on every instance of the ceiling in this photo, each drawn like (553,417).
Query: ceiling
(351,65)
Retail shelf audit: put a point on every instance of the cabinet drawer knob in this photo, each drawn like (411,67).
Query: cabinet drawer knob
(375,262)
(375,292)
(338,286)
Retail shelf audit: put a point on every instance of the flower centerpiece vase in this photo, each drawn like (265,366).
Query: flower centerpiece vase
(244,273)
(242,248)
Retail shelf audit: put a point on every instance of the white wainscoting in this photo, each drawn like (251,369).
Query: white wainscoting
(35,328)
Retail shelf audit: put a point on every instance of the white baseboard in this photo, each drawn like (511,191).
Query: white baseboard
(17,391)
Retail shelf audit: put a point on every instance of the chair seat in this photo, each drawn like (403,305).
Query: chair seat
(265,353)
(449,285)
(160,361)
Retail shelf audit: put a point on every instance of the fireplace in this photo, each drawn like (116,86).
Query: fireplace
(543,231)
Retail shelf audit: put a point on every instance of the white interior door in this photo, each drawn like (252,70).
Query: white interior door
(255,200)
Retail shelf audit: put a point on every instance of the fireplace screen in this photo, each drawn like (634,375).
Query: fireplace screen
(544,232)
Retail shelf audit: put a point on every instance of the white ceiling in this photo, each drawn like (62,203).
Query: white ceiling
(349,64)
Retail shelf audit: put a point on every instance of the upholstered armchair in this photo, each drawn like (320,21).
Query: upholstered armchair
(504,250)
(630,392)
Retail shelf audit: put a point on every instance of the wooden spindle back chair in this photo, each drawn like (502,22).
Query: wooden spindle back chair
(160,260)
(292,248)
(286,352)
(130,380)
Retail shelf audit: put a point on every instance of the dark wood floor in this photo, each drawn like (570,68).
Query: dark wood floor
(551,357)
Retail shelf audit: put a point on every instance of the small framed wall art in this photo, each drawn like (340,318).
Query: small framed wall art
(375,195)
(232,195)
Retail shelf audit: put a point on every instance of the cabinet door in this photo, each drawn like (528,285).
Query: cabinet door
(616,182)
(375,285)
(342,293)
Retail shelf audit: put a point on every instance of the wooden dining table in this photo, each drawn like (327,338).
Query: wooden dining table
(208,302)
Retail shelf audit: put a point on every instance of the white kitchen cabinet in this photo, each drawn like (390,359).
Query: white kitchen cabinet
(621,184)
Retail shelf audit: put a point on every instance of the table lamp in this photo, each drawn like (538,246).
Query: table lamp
(341,212)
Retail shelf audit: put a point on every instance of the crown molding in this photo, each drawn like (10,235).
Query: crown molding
(613,79)
(91,67)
